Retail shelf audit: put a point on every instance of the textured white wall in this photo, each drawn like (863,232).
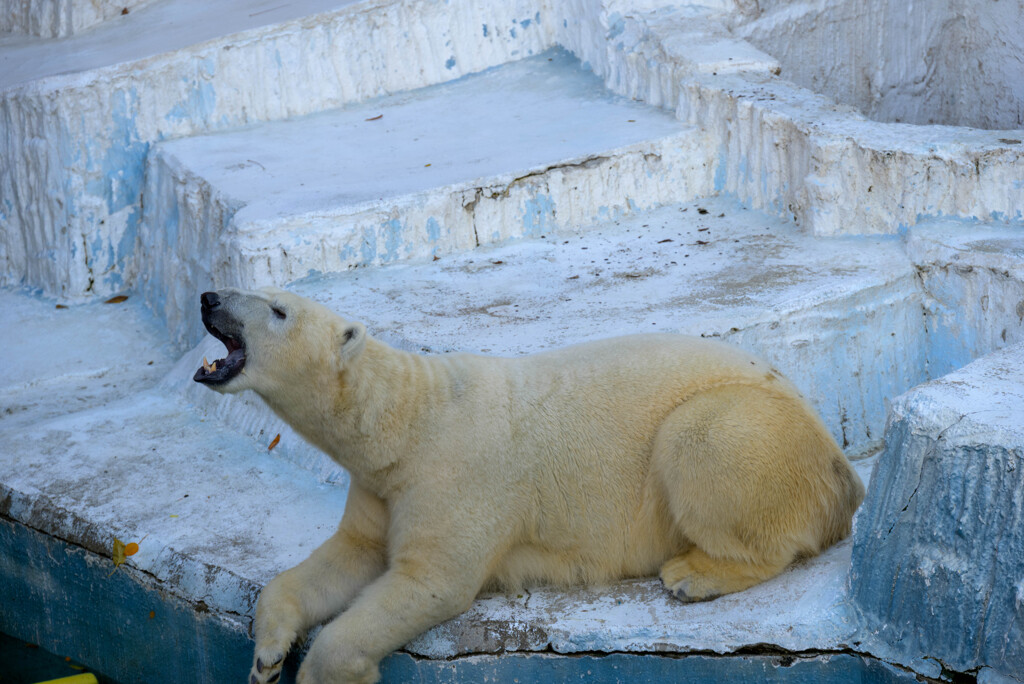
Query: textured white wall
(954,62)
(59,18)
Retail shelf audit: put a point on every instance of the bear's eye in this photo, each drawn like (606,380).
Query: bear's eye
(279,312)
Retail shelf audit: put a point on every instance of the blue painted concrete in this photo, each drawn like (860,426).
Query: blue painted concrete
(938,555)
(65,599)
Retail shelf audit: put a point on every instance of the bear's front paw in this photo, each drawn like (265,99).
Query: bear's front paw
(266,668)
(332,660)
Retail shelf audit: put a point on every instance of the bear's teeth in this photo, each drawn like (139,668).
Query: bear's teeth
(208,367)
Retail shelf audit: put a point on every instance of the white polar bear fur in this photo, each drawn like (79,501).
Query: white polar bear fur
(610,459)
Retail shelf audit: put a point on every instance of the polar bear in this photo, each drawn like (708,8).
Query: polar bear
(605,460)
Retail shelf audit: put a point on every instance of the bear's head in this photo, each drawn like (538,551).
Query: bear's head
(278,343)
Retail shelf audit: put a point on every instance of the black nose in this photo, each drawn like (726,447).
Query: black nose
(210,300)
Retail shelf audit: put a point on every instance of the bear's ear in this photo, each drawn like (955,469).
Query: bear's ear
(353,339)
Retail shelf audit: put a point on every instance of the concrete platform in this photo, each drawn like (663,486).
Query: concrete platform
(216,515)
(940,538)
(524,149)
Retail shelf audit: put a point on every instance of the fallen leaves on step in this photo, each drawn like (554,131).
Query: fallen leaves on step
(119,554)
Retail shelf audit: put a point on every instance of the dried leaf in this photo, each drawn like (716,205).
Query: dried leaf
(375,118)
(131,548)
(61,306)
(116,300)
(117,555)
(152,614)
(273,442)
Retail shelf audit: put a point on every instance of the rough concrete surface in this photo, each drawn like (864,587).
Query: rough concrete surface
(940,539)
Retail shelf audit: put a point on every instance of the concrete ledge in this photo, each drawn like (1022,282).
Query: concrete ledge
(143,634)
(938,562)
(973,275)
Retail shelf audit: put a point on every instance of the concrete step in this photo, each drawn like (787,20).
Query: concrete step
(61,359)
(530,148)
(841,317)
(80,113)
(940,538)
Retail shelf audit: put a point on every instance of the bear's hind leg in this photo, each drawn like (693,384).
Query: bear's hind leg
(747,473)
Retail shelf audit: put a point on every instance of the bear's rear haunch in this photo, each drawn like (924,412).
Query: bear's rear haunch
(619,458)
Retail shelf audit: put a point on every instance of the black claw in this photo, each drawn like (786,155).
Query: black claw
(252,679)
(274,677)
(259,665)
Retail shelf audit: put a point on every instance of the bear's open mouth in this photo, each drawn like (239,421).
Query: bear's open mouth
(222,370)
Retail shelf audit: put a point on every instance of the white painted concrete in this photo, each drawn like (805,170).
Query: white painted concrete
(83,116)
(951,62)
(525,149)
(60,360)
(941,534)
(785,149)
(60,18)
(69,215)
(973,278)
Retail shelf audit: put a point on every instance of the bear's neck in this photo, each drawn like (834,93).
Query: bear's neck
(361,418)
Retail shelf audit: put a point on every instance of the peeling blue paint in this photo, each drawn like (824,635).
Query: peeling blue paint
(721,169)
(512,31)
(347,254)
(616,25)
(368,249)
(525,23)
(393,230)
(433,230)
(198,105)
(538,215)
(485,30)
(450,63)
